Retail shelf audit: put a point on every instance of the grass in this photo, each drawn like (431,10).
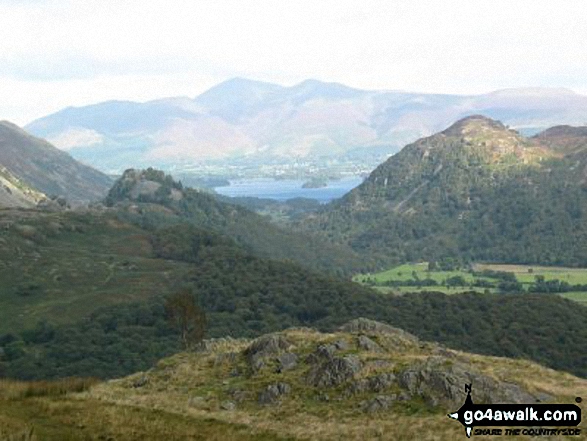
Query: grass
(56,411)
(525,274)
(61,266)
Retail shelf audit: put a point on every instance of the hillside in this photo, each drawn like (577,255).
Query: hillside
(476,191)
(365,380)
(41,166)
(14,193)
(264,123)
(151,198)
(84,293)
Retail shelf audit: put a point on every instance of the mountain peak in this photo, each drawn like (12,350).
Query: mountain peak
(474,125)
(315,88)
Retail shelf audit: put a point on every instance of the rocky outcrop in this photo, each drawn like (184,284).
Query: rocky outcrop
(272,393)
(440,380)
(267,346)
(330,370)
(377,383)
(367,344)
(286,361)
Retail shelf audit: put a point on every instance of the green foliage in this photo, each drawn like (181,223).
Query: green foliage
(450,197)
(249,230)
(244,295)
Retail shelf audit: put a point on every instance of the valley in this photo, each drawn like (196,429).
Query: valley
(85,292)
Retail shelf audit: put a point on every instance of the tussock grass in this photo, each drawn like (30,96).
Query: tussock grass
(14,390)
(27,434)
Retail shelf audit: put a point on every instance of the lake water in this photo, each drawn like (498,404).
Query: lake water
(288,189)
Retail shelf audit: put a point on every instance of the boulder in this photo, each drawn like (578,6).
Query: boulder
(286,361)
(333,371)
(377,383)
(263,347)
(228,405)
(141,381)
(272,393)
(367,344)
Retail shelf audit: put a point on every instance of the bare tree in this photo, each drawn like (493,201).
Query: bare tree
(186,316)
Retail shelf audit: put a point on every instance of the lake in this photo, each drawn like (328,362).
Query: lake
(282,190)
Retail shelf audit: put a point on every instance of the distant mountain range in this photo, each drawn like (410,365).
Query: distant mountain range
(476,191)
(265,122)
(31,168)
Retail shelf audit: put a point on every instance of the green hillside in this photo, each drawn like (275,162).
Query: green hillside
(475,192)
(151,199)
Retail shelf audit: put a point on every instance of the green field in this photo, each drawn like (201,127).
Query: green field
(525,274)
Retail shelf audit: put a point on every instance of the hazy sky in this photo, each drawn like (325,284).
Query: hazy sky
(57,53)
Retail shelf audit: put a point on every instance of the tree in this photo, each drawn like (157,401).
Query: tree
(186,316)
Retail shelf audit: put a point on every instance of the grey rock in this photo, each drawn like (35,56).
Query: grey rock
(263,347)
(287,361)
(273,393)
(363,325)
(270,344)
(196,401)
(225,358)
(257,364)
(143,380)
(377,383)
(228,405)
(440,380)
(334,371)
(367,344)
(341,345)
(379,403)
(239,395)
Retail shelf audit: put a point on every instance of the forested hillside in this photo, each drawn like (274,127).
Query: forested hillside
(152,199)
(477,191)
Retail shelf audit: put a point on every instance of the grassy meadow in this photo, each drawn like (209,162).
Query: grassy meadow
(525,274)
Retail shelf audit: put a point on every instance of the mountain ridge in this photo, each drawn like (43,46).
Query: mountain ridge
(243,118)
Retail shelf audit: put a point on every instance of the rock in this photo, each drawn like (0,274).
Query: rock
(143,380)
(367,344)
(228,405)
(287,361)
(377,383)
(363,325)
(379,403)
(270,344)
(273,393)
(323,352)
(239,395)
(341,345)
(196,401)
(225,358)
(334,371)
(440,380)
(263,347)
(257,364)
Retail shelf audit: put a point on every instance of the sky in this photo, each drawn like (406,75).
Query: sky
(59,53)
